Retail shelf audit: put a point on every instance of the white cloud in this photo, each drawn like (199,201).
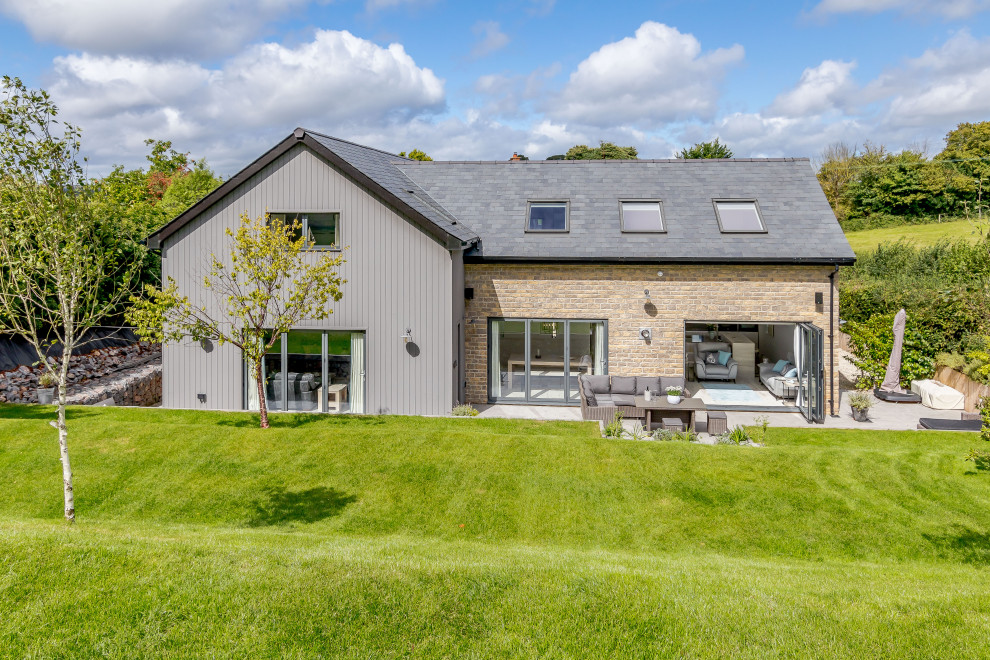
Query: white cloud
(658,75)
(823,88)
(491,38)
(951,9)
(171,28)
(336,80)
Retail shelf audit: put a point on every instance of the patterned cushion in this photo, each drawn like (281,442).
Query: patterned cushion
(711,358)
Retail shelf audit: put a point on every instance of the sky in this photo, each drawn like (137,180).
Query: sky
(225,80)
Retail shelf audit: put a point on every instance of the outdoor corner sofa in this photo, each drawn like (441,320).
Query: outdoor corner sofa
(706,363)
(604,396)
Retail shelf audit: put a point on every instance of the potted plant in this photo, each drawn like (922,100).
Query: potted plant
(46,387)
(860,402)
(674,394)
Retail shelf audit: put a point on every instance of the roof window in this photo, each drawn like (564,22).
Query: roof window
(547,216)
(738,215)
(641,216)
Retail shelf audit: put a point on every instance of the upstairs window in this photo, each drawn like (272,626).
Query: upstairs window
(738,216)
(547,216)
(321,229)
(641,216)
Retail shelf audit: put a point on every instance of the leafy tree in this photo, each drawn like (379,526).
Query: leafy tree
(556,157)
(52,244)
(604,151)
(835,171)
(967,156)
(713,149)
(415,154)
(273,282)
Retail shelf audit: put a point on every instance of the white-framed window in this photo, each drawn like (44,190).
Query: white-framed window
(547,216)
(738,215)
(641,216)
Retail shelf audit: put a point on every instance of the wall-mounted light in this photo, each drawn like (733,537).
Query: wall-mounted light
(646,292)
(645,334)
(659,273)
(202,397)
(407,336)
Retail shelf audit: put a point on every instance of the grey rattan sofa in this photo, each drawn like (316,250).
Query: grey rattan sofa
(603,396)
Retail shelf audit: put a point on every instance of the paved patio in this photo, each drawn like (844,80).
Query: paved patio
(883,416)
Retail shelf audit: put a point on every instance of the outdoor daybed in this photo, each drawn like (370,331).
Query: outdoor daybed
(604,396)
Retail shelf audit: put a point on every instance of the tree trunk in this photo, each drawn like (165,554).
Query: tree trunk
(63,446)
(262,403)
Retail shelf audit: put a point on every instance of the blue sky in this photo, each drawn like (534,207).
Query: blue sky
(226,79)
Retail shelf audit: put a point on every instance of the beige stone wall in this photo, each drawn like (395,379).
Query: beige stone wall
(615,293)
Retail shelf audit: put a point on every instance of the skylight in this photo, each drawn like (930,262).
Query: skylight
(641,216)
(738,216)
(547,216)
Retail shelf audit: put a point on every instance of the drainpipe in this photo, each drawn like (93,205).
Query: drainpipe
(831,341)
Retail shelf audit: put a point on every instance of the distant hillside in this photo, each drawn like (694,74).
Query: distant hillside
(929,234)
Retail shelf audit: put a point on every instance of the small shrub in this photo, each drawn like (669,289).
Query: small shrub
(861,400)
(985,418)
(980,458)
(47,379)
(760,429)
(639,433)
(950,360)
(614,428)
(464,410)
(674,390)
(737,436)
(666,435)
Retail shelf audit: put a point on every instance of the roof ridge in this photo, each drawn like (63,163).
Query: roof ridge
(788,159)
(355,144)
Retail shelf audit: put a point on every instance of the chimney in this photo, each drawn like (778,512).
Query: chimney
(515,156)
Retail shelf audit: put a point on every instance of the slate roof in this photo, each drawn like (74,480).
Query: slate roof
(381,167)
(482,205)
(491,198)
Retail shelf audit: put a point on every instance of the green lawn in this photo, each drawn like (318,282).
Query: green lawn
(869,239)
(395,536)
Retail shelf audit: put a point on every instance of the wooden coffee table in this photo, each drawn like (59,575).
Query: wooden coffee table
(686,410)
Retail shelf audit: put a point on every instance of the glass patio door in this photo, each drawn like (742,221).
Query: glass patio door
(539,360)
(809,342)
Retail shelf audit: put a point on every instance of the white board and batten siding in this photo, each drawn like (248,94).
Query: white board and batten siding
(397,276)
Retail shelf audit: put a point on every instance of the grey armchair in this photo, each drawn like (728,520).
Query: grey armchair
(704,370)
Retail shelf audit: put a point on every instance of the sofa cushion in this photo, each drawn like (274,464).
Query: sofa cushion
(716,370)
(623,385)
(590,397)
(791,373)
(708,346)
(723,357)
(711,359)
(604,400)
(597,384)
(624,399)
(777,368)
(671,381)
(642,382)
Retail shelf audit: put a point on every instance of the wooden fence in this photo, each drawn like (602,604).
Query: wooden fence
(969,387)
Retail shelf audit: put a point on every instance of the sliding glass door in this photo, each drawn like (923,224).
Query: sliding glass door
(538,360)
(312,370)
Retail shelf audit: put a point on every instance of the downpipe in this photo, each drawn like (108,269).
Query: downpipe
(831,341)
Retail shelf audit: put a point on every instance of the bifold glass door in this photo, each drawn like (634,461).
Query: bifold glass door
(312,370)
(809,353)
(539,360)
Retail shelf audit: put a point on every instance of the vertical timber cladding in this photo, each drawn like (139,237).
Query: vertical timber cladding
(398,277)
(743,293)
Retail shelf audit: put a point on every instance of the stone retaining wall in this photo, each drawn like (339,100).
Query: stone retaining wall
(140,386)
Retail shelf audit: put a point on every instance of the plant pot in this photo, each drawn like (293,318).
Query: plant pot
(46,395)
(673,399)
(861,414)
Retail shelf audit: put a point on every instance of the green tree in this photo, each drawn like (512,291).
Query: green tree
(967,157)
(713,149)
(604,151)
(415,154)
(52,244)
(836,170)
(275,280)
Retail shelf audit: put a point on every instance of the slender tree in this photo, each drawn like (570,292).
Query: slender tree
(276,278)
(51,244)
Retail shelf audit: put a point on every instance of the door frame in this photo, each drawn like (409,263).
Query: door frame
(526,347)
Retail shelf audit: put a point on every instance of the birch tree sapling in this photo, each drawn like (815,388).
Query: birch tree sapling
(56,270)
(275,279)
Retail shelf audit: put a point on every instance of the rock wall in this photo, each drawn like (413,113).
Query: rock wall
(140,386)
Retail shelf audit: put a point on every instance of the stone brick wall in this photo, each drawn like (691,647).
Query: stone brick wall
(139,386)
(754,294)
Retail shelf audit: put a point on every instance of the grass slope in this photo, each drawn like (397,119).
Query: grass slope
(200,534)
(929,234)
